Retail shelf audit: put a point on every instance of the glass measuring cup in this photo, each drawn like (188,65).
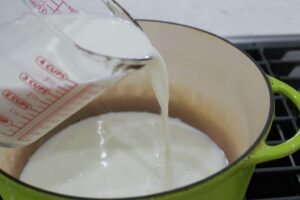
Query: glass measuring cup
(48,76)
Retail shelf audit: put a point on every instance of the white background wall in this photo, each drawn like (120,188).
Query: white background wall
(223,17)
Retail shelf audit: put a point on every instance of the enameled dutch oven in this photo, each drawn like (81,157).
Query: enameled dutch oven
(213,86)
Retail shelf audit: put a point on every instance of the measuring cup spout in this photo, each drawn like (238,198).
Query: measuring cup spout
(118,65)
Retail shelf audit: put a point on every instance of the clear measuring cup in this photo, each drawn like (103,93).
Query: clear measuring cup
(46,76)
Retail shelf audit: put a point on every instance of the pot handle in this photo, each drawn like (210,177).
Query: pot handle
(264,152)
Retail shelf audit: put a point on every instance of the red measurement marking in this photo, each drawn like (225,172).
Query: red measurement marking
(31,115)
(25,121)
(5,121)
(22,123)
(50,100)
(58,7)
(69,87)
(39,6)
(27,118)
(49,67)
(74,83)
(45,103)
(41,106)
(63,89)
(44,5)
(54,2)
(13,125)
(59,92)
(54,96)
(71,9)
(49,7)
(36,112)
(15,99)
(84,90)
(34,84)
(65,4)
(8,134)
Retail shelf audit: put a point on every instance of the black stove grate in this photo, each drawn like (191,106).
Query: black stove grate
(280,179)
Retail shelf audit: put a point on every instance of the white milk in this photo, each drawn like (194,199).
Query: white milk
(160,84)
(122,155)
(120,39)
(104,35)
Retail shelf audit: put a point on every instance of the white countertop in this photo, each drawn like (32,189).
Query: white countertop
(223,17)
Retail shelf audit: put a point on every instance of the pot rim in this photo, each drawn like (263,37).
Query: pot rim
(186,187)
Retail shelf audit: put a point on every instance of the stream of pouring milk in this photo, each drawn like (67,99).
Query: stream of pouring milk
(134,45)
(122,154)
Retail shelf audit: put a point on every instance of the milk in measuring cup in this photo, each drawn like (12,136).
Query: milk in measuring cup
(46,79)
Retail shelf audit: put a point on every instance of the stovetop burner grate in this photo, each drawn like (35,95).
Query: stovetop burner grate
(280,179)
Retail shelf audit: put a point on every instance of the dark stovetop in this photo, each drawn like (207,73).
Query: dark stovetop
(278,57)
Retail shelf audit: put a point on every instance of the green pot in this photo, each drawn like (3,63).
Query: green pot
(214,87)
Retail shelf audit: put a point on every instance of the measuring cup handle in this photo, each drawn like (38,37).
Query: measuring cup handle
(265,152)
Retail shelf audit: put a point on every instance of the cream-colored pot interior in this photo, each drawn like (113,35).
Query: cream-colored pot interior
(213,86)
